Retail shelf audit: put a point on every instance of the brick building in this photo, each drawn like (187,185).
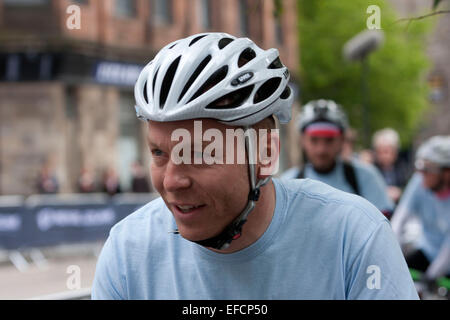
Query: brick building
(66,94)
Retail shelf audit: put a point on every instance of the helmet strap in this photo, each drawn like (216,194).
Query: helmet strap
(234,230)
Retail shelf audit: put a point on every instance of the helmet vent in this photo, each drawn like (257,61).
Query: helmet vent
(232,100)
(194,76)
(246,55)
(196,39)
(224,42)
(154,81)
(267,89)
(145,92)
(286,93)
(167,82)
(276,64)
(173,45)
(214,79)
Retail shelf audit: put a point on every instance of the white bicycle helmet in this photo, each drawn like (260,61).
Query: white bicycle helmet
(322,111)
(214,75)
(435,150)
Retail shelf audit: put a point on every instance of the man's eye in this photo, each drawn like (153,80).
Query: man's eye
(157,152)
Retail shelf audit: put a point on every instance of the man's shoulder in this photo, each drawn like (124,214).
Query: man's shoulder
(320,198)
(137,223)
(415,192)
(290,173)
(416,181)
(364,169)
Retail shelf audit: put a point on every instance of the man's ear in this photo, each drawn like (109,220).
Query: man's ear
(269,154)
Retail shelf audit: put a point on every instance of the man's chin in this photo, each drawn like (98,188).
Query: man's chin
(324,168)
(193,235)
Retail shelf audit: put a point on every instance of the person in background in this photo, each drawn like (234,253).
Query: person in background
(47,182)
(427,196)
(386,144)
(86,181)
(323,126)
(139,181)
(111,184)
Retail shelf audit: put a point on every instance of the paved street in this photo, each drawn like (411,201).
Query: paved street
(46,280)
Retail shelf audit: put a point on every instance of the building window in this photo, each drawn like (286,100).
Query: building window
(162,12)
(126,8)
(83,2)
(205,14)
(243,17)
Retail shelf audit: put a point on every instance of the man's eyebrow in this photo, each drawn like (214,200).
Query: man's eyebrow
(152,143)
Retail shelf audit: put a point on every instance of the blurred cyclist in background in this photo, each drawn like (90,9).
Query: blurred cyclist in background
(228,230)
(386,143)
(427,196)
(323,125)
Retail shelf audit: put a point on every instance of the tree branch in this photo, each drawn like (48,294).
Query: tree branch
(424,16)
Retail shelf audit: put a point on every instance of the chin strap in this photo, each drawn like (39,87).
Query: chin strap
(234,230)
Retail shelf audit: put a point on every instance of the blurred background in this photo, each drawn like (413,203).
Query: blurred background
(73,155)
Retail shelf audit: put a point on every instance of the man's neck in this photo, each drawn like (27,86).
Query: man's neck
(257,222)
(385,166)
(326,170)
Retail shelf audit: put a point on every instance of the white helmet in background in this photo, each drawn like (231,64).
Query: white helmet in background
(322,111)
(435,150)
(217,76)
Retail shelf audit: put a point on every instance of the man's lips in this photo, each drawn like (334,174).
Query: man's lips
(184,208)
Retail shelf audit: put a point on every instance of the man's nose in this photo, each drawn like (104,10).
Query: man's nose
(322,147)
(175,177)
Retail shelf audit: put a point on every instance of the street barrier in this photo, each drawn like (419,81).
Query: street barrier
(47,220)
(13,229)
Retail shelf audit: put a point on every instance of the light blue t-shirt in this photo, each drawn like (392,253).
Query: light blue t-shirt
(370,182)
(321,244)
(433,213)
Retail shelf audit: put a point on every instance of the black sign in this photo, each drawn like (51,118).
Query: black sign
(48,222)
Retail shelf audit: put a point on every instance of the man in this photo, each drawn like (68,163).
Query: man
(323,125)
(47,182)
(139,181)
(386,143)
(427,196)
(227,230)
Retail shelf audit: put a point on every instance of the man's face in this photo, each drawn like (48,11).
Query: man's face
(386,154)
(432,175)
(218,192)
(322,151)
